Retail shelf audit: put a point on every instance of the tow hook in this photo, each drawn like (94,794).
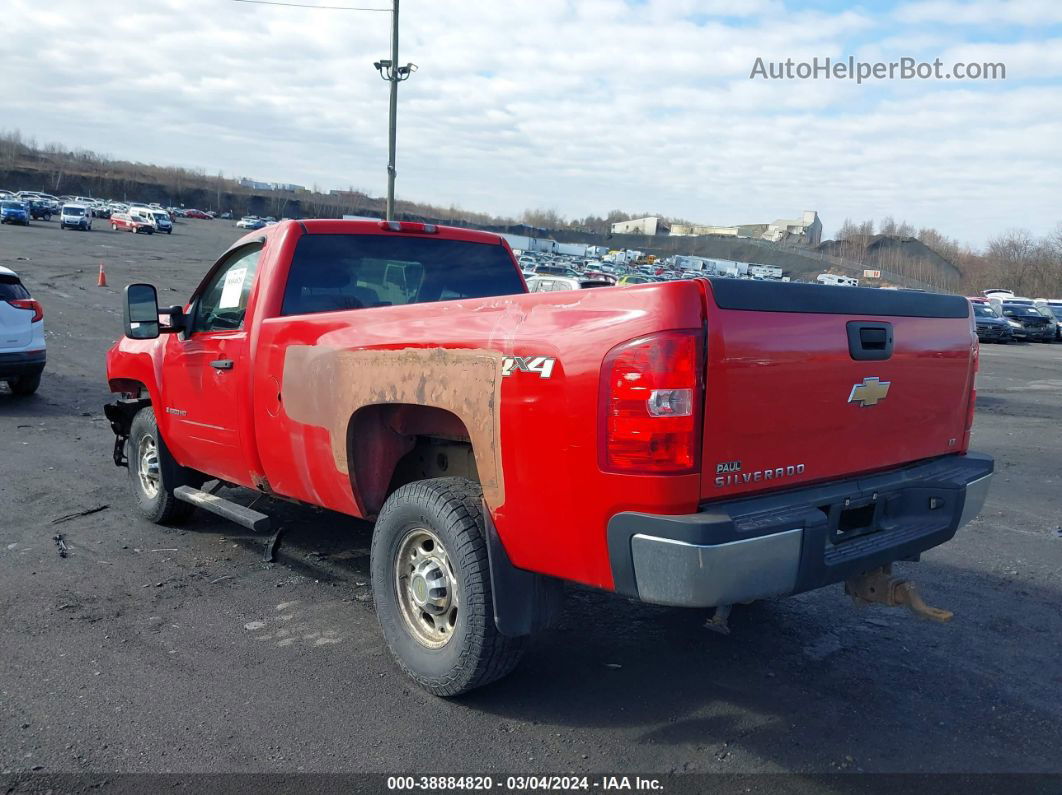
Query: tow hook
(881,587)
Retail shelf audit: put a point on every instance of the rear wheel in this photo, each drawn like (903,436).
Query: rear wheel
(114,227)
(25,384)
(154,474)
(431,584)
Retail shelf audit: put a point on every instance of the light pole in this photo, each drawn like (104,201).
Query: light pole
(395,74)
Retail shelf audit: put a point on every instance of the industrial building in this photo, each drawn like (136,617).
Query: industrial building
(254,184)
(653,225)
(807,229)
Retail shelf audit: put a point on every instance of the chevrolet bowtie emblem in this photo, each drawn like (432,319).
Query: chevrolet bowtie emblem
(870,392)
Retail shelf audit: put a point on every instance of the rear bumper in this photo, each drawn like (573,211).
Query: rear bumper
(16,364)
(796,541)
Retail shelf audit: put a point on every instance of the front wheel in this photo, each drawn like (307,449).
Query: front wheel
(114,227)
(432,589)
(154,474)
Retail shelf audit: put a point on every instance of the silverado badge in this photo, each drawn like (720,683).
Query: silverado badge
(869,393)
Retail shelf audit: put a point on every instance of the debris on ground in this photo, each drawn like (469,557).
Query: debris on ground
(61,544)
(79,514)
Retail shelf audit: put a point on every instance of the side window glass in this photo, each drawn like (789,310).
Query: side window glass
(223,302)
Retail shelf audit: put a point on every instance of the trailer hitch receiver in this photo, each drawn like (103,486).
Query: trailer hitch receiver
(881,587)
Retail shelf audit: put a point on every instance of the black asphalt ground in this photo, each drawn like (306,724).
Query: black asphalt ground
(152,649)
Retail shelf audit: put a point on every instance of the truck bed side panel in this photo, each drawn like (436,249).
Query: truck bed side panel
(552,503)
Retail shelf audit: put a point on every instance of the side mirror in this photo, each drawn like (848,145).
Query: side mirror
(141,313)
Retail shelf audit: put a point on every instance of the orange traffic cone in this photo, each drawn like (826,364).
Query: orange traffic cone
(102,280)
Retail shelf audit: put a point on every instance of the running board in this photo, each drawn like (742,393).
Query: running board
(245,517)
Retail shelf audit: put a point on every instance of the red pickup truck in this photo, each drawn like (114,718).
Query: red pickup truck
(697,443)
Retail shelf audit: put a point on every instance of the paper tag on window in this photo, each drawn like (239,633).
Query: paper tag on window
(230,293)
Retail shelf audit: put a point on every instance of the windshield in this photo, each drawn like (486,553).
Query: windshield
(982,310)
(335,272)
(11,206)
(161,216)
(73,211)
(1020,311)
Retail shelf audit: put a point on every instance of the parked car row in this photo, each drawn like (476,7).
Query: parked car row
(43,206)
(1001,316)
(254,222)
(622,268)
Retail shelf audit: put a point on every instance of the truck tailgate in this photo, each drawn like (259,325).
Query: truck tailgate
(810,382)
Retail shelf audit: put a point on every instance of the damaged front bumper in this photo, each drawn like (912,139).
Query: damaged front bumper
(795,541)
(120,414)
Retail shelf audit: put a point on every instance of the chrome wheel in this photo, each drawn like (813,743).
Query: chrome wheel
(426,588)
(148,469)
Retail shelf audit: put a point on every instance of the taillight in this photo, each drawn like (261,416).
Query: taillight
(29,303)
(651,396)
(971,399)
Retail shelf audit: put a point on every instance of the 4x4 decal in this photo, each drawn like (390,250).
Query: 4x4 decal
(543,365)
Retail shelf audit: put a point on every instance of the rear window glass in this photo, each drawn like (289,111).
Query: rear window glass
(11,289)
(334,272)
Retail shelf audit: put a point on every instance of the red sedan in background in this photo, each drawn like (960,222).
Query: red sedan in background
(130,224)
(197,214)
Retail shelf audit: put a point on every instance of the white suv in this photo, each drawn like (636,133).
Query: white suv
(22,349)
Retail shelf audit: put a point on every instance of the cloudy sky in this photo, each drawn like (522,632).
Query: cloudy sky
(581,106)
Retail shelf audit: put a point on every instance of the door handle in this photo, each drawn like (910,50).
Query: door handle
(221,364)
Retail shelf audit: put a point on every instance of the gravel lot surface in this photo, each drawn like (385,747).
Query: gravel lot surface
(153,649)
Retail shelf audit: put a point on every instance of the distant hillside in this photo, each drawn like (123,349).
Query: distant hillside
(54,169)
(904,255)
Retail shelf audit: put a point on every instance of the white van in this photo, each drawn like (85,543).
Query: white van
(75,216)
(155,216)
(162,220)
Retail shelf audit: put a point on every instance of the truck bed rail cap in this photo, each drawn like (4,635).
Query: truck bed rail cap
(828,300)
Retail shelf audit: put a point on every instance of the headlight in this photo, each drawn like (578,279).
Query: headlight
(1014,323)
